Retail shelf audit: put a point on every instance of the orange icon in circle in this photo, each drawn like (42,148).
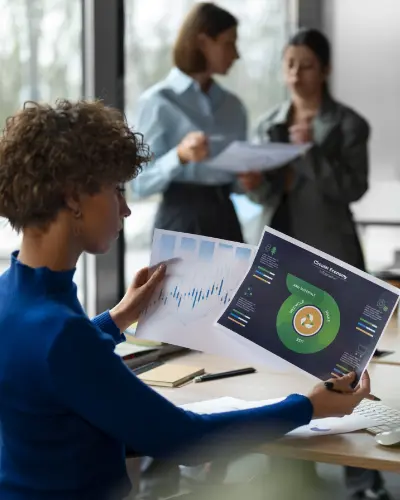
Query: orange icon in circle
(308,321)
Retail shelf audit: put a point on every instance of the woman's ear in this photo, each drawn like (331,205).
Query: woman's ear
(201,40)
(73,204)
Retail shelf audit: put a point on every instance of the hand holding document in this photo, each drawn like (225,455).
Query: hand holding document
(241,156)
(193,147)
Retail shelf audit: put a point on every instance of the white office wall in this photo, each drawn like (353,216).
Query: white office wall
(365,36)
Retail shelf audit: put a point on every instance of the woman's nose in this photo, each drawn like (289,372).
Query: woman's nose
(295,71)
(125,210)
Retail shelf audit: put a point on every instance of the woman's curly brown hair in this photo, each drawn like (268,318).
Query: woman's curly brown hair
(47,153)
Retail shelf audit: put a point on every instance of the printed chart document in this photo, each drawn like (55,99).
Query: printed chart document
(241,156)
(202,275)
(309,309)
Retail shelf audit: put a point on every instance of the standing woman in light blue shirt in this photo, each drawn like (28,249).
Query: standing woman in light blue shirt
(187,118)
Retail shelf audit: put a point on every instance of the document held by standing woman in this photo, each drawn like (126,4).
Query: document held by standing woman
(241,156)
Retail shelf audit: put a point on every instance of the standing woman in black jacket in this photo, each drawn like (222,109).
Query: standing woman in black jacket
(310,198)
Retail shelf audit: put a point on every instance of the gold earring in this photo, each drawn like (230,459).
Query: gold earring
(77,226)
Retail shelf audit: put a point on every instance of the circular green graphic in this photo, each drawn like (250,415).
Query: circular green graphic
(309,319)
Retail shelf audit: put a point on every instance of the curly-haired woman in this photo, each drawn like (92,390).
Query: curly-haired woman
(69,405)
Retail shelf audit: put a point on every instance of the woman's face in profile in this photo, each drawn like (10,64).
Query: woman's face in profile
(220,52)
(102,218)
(303,73)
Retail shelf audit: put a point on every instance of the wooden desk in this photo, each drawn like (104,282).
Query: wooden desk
(356,449)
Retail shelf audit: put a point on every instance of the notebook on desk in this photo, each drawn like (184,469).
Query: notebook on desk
(170,375)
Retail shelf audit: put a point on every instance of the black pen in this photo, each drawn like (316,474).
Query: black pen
(216,376)
(331,387)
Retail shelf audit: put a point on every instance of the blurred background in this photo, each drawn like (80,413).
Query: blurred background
(117,49)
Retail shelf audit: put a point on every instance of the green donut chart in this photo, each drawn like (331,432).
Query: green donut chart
(309,319)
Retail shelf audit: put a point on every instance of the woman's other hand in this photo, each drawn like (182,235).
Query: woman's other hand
(301,133)
(251,180)
(137,296)
(342,399)
(193,148)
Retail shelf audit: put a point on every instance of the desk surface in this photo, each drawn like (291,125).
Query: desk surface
(356,449)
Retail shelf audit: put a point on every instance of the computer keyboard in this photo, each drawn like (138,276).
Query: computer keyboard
(388,418)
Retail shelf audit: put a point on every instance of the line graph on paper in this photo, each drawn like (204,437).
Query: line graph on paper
(202,276)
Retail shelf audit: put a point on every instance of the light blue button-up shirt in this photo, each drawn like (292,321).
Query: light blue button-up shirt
(171,109)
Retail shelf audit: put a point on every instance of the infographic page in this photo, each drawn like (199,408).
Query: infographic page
(312,310)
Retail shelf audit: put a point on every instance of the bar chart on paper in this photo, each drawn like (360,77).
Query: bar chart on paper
(202,276)
(194,296)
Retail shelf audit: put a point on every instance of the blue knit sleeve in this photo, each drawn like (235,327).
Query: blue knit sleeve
(105,322)
(93,382)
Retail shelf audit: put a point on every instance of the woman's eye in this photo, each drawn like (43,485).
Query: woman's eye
(121,189)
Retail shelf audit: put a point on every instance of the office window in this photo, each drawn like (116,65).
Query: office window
(40,60)
(150,31)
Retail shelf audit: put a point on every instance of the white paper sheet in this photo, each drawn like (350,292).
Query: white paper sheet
(332,425)
(241,156)
(201,275)
(317,427)
(126,349)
